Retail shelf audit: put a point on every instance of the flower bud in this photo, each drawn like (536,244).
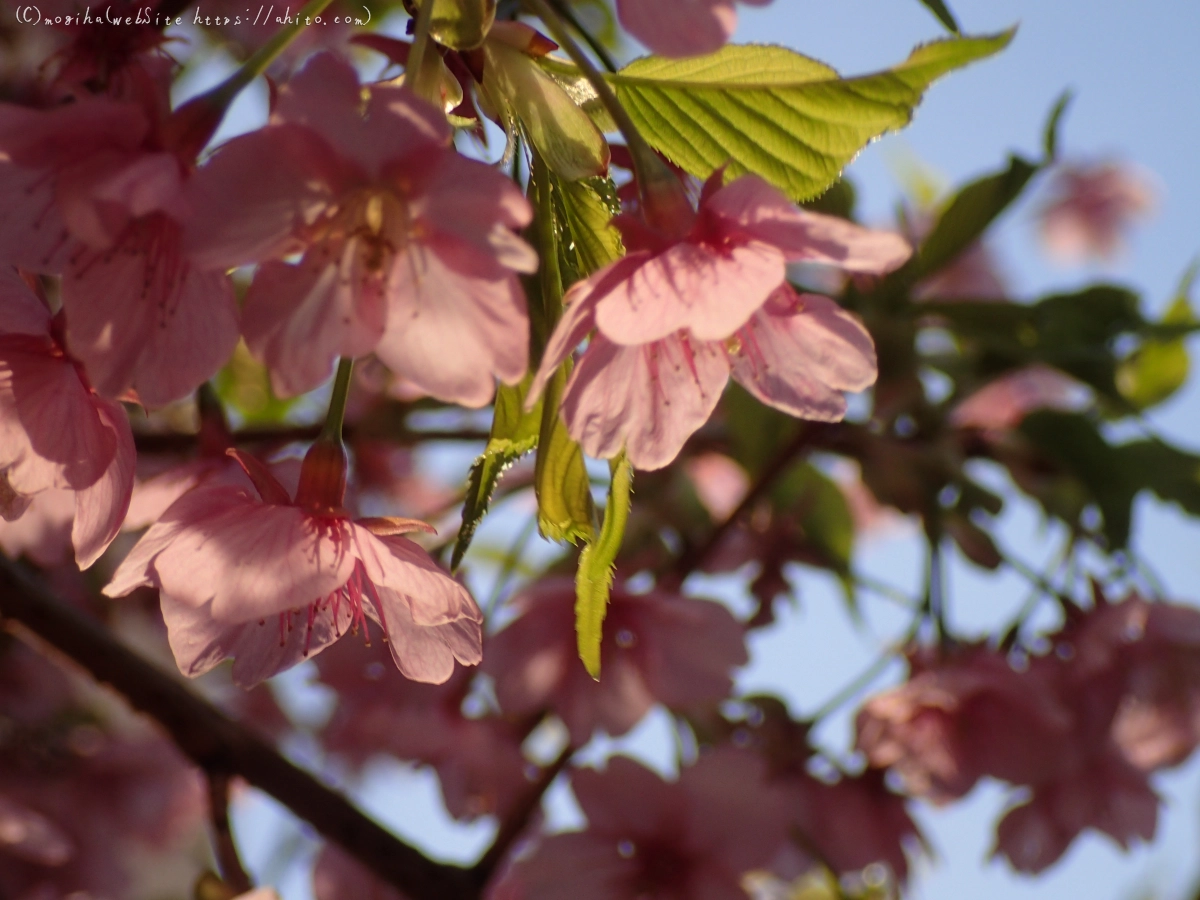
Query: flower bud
(323,476)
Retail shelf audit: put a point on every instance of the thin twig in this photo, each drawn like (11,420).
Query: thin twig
(224,847)
(217,743)
(694,556)
(518,819)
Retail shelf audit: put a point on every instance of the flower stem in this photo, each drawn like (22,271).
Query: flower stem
(262,58)
(337,402)
(663,198)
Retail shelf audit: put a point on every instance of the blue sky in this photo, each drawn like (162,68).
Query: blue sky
(1137,97)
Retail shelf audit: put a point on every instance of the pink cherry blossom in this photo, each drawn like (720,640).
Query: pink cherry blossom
(681,27)
(408,246)
(55,430)
(227,563)
(657,647)
(1091,208)
(478,761)
(1003,403)
(679,314)
(646,837)
(964,718)
(92,190)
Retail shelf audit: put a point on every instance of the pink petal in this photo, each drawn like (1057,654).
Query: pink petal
(471,201)
(325,96)
(259,649)
(141,316)
(100,509)
(756,210)
(203,503)
(711,292)
(99,196)
(43,530)
(679,27)
(252,560)
(648,399)
(51,432)
(578,319)
(253,193)
(21,312)
(427,652)
(626,798)
(394,562)
(455,322)
(33,234)
(799,352)
(268,486)
(299,319)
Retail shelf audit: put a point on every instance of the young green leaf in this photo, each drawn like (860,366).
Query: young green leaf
(564,492)
(765,109)
(1159,367)
(593,581)
(514,433)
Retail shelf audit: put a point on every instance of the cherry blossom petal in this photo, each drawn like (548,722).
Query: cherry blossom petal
(141,316)
(100,508)
(708,291)
(205,502)
(432,596)
(33,234)
(51,432)
(578,319)
(455,322)
(648,400)
(472,202)
(427,653)
(253,560)
(299,319)
(43,530)
(326,97)
(246,201)
(799,352)
(260,648)
(679,27)
(758,211)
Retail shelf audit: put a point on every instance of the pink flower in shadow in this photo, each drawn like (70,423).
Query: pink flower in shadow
(55,430)
(657,647)
(270,580)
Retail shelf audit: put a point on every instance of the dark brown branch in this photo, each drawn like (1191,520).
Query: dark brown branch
(218,744)
(224,847)
(516,821)
(694,555)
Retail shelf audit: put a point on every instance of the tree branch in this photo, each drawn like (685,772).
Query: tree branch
(220,745)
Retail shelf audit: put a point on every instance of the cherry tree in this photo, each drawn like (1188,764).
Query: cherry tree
(225,367)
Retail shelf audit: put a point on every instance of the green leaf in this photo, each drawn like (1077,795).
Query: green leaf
(1050,135)
(968,215)
(561,483)
(1076,444)
(820,508)
(771,111)
(562,133)
(514,433)
(1159,368)
(1073,332)
(939,9)
(1171,473)
(244,386)
(461,24)
(593,581)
